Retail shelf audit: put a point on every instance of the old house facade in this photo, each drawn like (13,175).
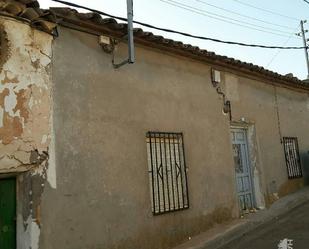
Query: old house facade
(97,157)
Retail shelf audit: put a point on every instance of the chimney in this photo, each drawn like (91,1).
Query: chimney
(289,75)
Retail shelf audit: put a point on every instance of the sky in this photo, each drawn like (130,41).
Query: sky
(267,22)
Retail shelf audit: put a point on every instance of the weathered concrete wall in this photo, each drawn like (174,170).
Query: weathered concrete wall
(25,120)
(96,131)
(271,110)
(101,117)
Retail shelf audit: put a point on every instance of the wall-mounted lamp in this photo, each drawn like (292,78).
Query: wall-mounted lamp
(227,108)
(216,80)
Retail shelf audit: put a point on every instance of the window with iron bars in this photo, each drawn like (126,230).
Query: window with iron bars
(167,172)
(292,158)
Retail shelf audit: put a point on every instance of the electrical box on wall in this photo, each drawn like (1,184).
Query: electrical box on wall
(104,40)
(215,76)
(106,44)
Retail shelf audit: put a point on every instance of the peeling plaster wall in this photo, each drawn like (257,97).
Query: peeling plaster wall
(24,95)
(25,120)
(100,198)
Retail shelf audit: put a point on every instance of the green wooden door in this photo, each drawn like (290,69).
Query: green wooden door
(7,213)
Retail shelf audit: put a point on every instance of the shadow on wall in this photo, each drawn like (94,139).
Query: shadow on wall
(304,156)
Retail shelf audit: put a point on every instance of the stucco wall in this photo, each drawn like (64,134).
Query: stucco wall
(101,117)
(25,120)
(274,112)
(71,107)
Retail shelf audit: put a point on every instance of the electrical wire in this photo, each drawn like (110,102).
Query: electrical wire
(174,31)
(306,1)
(279,51)
(242,15)
(225,19)
(265,10)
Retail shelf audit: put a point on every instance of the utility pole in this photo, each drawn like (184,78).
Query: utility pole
(131,58)
(303,34)
(131,53)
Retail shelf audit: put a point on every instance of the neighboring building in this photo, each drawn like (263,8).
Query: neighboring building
(101,157)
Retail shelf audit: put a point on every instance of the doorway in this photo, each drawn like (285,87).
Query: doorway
(243,170)
(8,213)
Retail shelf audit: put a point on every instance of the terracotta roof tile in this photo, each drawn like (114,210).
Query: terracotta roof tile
(29,10)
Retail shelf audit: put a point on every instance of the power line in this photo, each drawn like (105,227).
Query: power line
(242,15)
(174,31)
(224,19)
(306,1)
(279,51)
(265,10)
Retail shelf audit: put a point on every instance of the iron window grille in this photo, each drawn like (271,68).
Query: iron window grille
(167,172)
(292,158)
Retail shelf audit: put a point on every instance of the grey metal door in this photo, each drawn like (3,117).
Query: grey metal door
(242,169)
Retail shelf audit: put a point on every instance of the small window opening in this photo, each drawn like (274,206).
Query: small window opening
(167,172)
(292,158)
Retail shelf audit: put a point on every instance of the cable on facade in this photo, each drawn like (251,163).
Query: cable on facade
(174,31)
(277,113)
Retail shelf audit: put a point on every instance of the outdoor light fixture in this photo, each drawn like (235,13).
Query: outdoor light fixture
(227,107)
